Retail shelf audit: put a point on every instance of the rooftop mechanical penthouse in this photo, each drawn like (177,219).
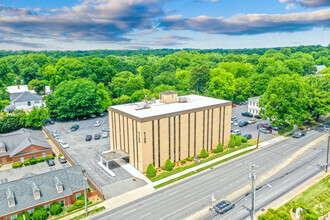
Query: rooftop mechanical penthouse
(171,127)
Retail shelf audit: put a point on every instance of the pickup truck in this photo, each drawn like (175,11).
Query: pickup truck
(299,133)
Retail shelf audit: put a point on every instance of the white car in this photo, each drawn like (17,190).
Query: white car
(97,124)
(105,134)
(236,123)
(58,139)
(236,132)
(65,145)
(233,117)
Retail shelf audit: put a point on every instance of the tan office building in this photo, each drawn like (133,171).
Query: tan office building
(171,127)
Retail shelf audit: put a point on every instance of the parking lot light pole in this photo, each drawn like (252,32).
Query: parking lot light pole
(85,190)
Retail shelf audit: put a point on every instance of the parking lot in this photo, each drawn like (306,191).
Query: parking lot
(86,153)
(250,128)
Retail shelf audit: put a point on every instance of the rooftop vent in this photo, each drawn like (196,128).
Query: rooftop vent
(182,99)
(142,106)
(36,191)
(2,147)
(59,185)
(153,100)
(10,198)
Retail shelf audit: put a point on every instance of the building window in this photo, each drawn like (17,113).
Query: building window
(195,135)
(29,103)
(208,125)
(169,138)
(22,159)
(174,128)
(62,202)
(158,143)
(31,211)
(78,195)
(179,137)
(212,129)
(189,135)
(31,147)
(145,138)
(137,147)
(124,133)
(153,142)
(47,207)
(127,135)
(13,217)
(119,131)
(139,137)
(33,156)
(219,124)
(223,125)
(133,140)
(203,128)
(43,155)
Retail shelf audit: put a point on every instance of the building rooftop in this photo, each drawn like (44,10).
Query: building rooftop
(111,155)
(24,96)
(254,98)
(193,102)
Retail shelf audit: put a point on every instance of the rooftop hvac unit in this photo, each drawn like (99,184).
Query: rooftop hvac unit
(153,100)
(141,106)
(182,99)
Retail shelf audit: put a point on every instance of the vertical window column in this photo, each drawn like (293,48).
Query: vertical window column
(174,126)
(133,138)
(153,142)
(158,143)
(195,135)
(223,125)
(136,145)
(179,137)
(189,135)
(219,124)
(169,137)
(208,125)
(124,133)
(212,129)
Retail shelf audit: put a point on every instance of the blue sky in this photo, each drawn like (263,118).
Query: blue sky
(149,24)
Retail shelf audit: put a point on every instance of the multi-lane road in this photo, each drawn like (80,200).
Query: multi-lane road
(187,197)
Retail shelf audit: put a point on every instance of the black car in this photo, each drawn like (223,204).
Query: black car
(247,114)
(97,136)
(257,116)
(247,136)
(88,137)
(243,123)
(50,162)
(223,206)
(74,127)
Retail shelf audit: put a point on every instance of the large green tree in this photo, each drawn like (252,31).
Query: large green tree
(36,118)
(221,84)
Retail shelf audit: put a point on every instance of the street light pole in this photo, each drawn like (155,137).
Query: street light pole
(85,190)
(253,175)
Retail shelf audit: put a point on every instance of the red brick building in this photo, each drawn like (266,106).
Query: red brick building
(22,145)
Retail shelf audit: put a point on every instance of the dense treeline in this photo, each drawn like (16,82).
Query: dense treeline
(81,79)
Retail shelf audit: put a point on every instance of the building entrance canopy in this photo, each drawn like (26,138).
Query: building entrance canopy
(113,155)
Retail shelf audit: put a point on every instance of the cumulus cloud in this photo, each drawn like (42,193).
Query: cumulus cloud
(307,3)
(249,23)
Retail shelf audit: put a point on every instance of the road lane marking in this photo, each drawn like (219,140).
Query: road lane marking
(129,212)
(286,181)
(238,165)
(188,195)
(145,215)
(222,180)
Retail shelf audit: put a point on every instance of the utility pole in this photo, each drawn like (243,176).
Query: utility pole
(326,166)
(85,190)
(252,168)
(258,135)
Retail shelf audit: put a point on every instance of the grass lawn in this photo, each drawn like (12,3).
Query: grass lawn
(88,214)
(289,128)
(317,197)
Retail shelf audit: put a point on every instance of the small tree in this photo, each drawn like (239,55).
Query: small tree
(25,214)
(55,208)
(238,141)
(243,139)
(219,147)
(204,153)
(40,213)
(168,165)
(151,170)
(231,143)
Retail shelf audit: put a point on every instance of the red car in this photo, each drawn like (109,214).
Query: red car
(233,105)
(268,127)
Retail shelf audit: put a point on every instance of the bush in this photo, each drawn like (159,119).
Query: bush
(168,165)
(17,164)
(26,163)
(151,170)
(219,147)
(243,139)
(26,215)
(41,159)
(199,156)
(55,208)
(183,161)
(274,214)
(79,203)
(40,213)
(60,155)
(33,161)
(231,143)
(215,151)
(50,157)
(82,197)
(189,159)
(238,141)
(204,153)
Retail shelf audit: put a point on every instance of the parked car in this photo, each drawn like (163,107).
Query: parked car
(85,118)
(223,206)
(236,123)
(88,137)
(62,159)
(92,116)
(247,136)
(106,129)
(74,127)
(257,116)
(97,124)
(299,133)
(266,131)
(105,134)
(252,121)
(55,133)
(50,162)
(64,144)
(268,127)
(58,139)
(236,132)
(247,114)
(97,136)
(233,116)
(233,105)
(243,123)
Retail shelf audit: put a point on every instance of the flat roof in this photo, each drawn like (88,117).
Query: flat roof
(111,155)
(158,108)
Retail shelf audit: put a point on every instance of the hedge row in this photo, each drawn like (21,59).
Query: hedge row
(30,161)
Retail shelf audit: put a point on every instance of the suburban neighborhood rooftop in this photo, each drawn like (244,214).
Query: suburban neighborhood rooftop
(158,108)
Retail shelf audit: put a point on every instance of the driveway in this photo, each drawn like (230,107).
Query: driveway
(250,128)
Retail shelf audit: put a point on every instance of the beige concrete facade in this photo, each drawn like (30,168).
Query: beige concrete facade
(175,136)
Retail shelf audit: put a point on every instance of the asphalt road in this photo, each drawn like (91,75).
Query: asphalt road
(187,197)
(305,167)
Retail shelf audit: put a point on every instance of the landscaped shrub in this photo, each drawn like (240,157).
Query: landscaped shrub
(60,155)
(40,213)
(204,153)
(26,163)
(79,203)
(33,161)
(151,170)
(189,159)
(183,161)
(26,215)
(231,143)
(49,157)
(215,151)
(274,214)
(238,141)
(41,159)
(168,165)
(17,164)
(219,147)
(55,208)
(243,139)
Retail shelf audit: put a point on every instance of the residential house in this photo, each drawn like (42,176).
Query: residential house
(24,101)
(22,145)
(253,105)
(64,186)
(19,89)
